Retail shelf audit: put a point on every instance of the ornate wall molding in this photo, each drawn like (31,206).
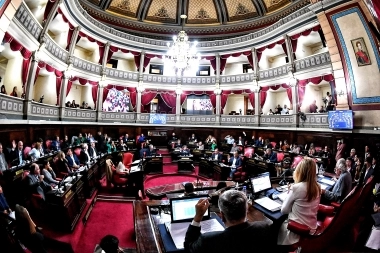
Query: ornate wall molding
(27,20)
(118,117)
(87,66)
(314,120)
(50,112)
(237,79)
(239,120)
(273,72)
(79,115)
(121,74)
(57,51)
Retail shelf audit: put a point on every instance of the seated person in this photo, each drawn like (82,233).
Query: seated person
(270,156)
(56,144)
(193,138)
(252,141)
(342,186)
(84,154)
(311,152)
(86,106)
(313,107)
(216,156)
(111,147)
(27,231)
(144,151)
(284,146)
(235,162)
(4,207)
(122,146)
(239,236)
(72,160)
(259,142)
(108,244)
(120,167)
(178,144)
(278,109)
(49,174)
(285,110)
(68,104)
(92,150)
(36,181)
(185,151)
(189,190)
(229,139)
(268,144)
(150,151)
(65,143)
(240,141)
(213,145)
(322,110)
(234,148)
(270,112)
(201,146)
(35,152)
(80,140)
(142,138)
(126,138)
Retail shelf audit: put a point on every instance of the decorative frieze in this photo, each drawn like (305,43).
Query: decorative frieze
(28,21)
(312,61)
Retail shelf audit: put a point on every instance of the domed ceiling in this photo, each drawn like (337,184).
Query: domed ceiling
(213,18)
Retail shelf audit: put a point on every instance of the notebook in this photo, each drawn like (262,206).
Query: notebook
(268,204)
(327,181)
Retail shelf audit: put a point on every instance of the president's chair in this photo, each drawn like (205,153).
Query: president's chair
(127,160)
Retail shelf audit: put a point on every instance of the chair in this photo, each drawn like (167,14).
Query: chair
(239,175)
(26,151)
(296,161)
(112,176)
(48,144)
(36,201)
(73,140)
(127,160)
(273,144)
(248,151)
(318,149)
(280,156)
(77,152)
(330,228)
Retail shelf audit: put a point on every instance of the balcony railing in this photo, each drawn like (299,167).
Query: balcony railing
(313,61)
(50,112)
(11,107)
(71,114)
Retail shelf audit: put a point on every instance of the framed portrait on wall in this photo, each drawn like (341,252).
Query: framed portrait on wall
(361,52)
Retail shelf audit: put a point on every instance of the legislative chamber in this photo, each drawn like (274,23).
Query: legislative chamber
(111,110)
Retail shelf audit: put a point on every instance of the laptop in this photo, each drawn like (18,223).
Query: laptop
(261,183)
(183,209)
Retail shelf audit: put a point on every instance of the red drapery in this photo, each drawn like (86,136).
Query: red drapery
(49,6)
(263,95)
(26,54)
(223,59)
(58,76)
(260,50)
(101,45)
(58,83)
(147,96)
(294,38)
(315,80)
(71,29)
(212,60)
(82,81)
(169,99)
(252,99)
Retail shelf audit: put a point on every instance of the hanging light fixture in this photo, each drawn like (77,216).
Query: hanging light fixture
(182,53)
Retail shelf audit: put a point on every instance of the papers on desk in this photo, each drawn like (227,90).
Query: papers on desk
(282,196)
(323,186)
(136,162)
(135,169)
(81,169)
(268,204)
(12,215)
(327,181)
(178,230)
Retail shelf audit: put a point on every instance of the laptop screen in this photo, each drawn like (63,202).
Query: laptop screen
(183,209)
(261,182)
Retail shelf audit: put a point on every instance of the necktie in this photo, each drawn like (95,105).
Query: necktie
(20,156)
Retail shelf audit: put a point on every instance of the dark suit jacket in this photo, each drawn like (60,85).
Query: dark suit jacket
(92,152)
(272,157)
(101,143)
(363,178)
(185,152)
(14,157)
(219,156)
(83,157)
(70,161)
(245,237)
(35,186)
(259,143)
(238,162)
(55,145)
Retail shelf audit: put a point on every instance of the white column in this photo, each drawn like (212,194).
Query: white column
(295,99)
(62,95)
(49,18)
(105,55)
(257,103)
(140,89)
(217,106)
(178,104)
(30,85)
(73,41)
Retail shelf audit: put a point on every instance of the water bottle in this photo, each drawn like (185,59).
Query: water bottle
(321,170)
(245,190)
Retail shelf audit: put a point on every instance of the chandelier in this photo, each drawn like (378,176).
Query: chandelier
(182,54)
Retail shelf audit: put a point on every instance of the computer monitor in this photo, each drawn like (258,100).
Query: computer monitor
(183,209)
(261,183)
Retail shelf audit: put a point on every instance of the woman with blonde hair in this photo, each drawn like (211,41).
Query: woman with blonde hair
(27,232)
(35,153)
(302,202)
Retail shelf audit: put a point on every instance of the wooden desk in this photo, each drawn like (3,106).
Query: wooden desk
(148,238)
(160,192)
(185,164)
(153,165)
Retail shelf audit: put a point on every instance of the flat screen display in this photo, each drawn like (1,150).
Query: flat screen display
(261,182)
(340,119)
(117,101)
(157,118)
(199,104)
(184,208)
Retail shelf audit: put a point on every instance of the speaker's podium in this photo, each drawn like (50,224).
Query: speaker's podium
(185,164)
(153,165)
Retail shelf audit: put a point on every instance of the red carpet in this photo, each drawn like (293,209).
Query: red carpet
(108,218)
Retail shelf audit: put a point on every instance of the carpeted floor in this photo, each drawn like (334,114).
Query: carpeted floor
(108,218)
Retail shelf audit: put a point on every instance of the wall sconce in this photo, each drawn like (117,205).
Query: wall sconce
(341,93)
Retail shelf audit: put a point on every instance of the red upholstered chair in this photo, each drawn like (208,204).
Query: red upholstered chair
(48,144)
(248,151)
(273,144)
(280,157)
(333,226)
(137,139)
(77,152)
(127,159)
(26,151)
(296,161)
(36,201)
(318,149)
(239,175)
(112,177)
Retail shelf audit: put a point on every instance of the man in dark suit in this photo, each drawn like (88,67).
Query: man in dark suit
(239,236)
(216,156)
(185,151)
(259,142)
(122,146)
(101,142)
(370,164)
(150,151)
(16,155)
(270,156)
(72,160)
(56,144)
(92,150)
(84,154)
(126,138)
(36,181)
(235,162)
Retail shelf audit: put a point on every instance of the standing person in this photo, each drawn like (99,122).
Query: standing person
(340,149)
(27,232)
(302,202)
(313,107)
(101,142)
(240,235)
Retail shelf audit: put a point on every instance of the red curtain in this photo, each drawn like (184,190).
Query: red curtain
(49,6)
(133,95)
(94,93)
(294,38)
(169,99)
(147,97)
(82,81)
(251,97)
(212,60)
(223,99)
(263,95)
(260,50)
